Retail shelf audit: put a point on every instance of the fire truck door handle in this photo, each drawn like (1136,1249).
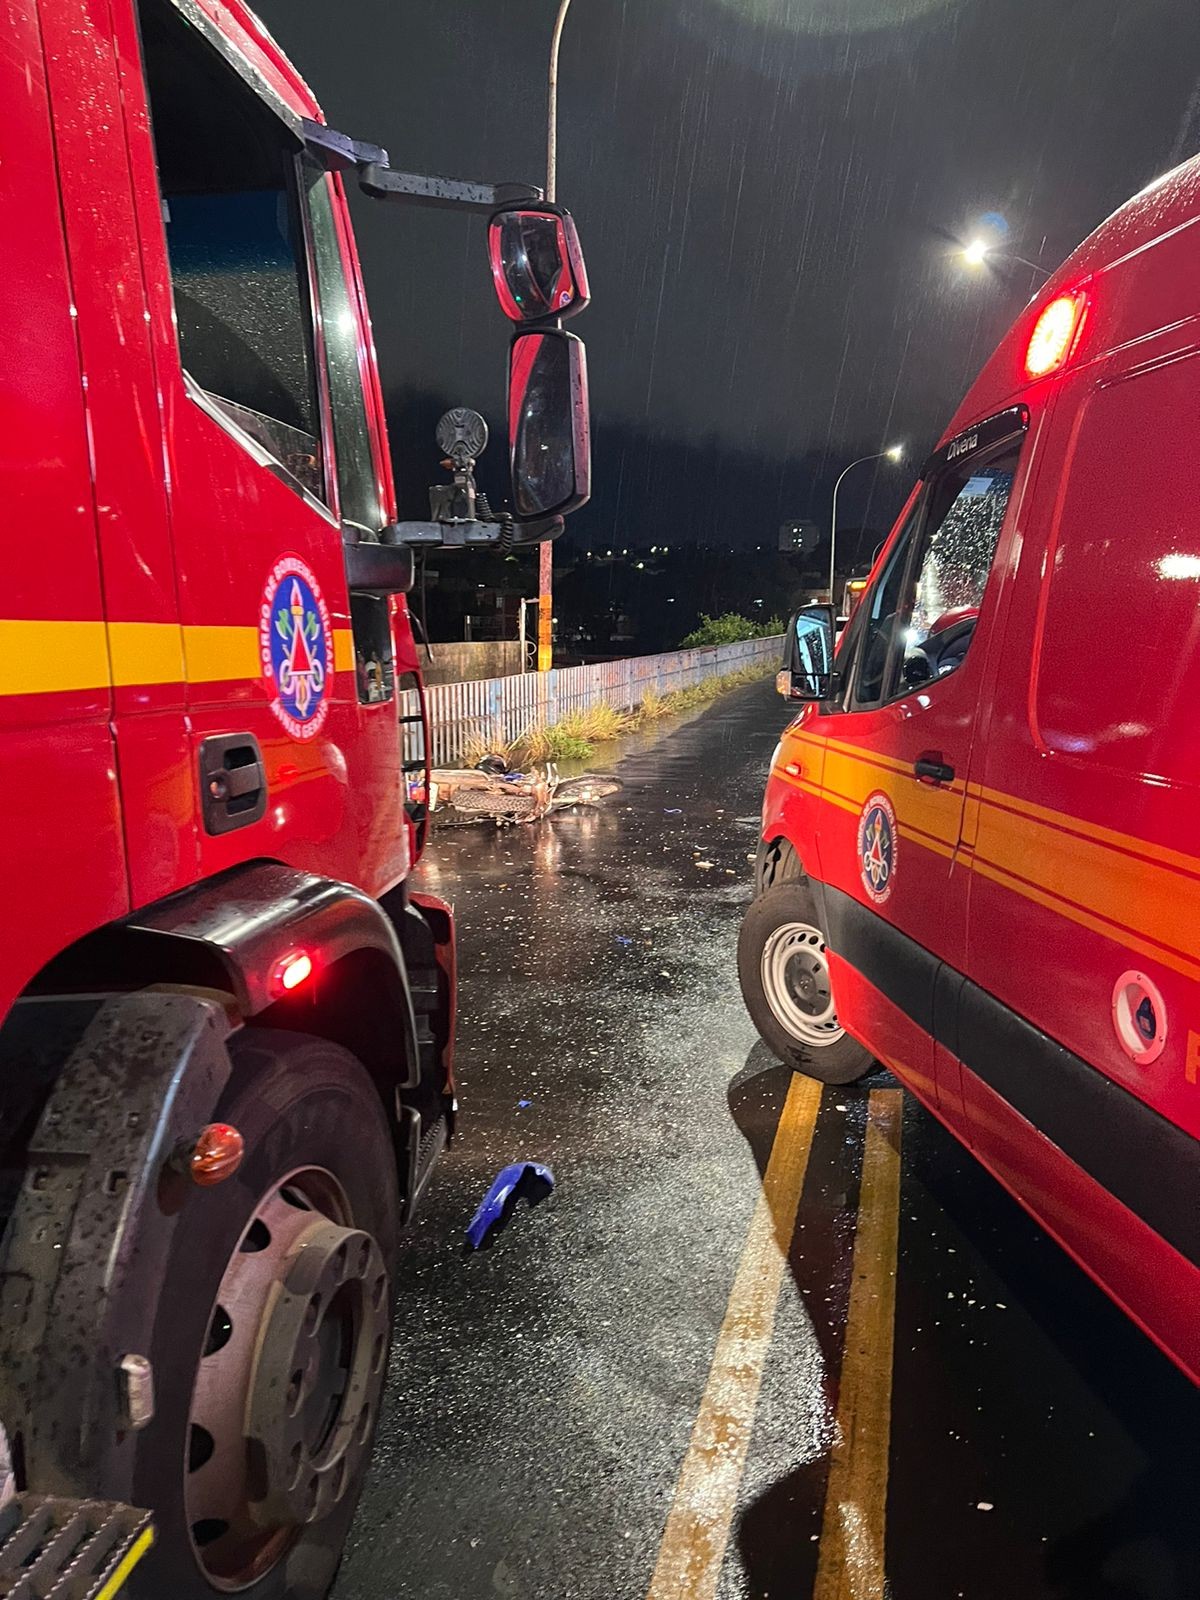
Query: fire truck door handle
(932,769)
(233,782)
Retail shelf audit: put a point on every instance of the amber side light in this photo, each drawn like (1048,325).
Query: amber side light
(216,1155)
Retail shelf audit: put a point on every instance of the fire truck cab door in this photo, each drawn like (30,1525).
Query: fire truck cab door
(61,857)
(263,354)
(897,755)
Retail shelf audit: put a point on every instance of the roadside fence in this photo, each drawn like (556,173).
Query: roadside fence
(497,711)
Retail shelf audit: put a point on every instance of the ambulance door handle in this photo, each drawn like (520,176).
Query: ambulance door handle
(932,769)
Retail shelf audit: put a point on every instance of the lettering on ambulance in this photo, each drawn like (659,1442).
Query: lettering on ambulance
(295,646)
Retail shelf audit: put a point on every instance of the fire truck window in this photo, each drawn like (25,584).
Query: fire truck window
(227,170)
(358,481)
(374,663)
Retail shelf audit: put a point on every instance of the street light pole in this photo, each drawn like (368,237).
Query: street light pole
(545,632)
(894,452)
(552,107)
(979,251)
(1032,265)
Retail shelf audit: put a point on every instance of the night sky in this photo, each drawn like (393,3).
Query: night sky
(768,192)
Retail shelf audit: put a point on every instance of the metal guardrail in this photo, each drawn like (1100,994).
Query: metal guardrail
(496,711)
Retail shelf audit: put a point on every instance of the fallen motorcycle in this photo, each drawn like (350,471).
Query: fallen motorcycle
(491,793)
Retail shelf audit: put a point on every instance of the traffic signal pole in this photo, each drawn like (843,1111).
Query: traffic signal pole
(545,654)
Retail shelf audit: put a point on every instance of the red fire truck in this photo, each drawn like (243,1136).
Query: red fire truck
(227,1025)
(978,860)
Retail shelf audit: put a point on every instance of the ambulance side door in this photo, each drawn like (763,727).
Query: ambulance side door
(898,751)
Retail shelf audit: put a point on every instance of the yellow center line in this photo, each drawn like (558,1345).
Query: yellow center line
(851,1561)
(706,1494)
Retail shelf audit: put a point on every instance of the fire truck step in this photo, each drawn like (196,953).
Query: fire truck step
(425,1145)
(57,1549)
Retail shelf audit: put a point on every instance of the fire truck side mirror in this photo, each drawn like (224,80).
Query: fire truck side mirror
(549,429)
(807,672)
(537,263)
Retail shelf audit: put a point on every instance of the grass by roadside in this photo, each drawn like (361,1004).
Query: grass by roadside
(576,736)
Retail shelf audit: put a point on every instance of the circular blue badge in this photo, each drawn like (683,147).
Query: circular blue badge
(877,847)
(295,645)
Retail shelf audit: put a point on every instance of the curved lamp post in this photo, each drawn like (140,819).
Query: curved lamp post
(893,453)
(980,251)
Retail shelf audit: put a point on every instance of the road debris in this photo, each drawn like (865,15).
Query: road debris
(521,1179)
(483,794)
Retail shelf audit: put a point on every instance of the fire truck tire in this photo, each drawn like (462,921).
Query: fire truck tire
(272,1335)
(786,985)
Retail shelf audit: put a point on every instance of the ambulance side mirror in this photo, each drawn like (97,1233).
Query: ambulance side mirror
(549,429)
(807,672)
(537,263)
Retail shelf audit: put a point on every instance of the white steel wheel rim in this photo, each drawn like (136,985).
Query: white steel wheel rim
(795,977)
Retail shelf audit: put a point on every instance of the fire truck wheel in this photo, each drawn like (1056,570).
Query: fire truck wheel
(272,1335)
(786,985)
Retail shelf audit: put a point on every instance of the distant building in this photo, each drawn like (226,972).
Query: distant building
(799,537)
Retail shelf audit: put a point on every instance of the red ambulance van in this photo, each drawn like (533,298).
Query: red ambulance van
(980,854)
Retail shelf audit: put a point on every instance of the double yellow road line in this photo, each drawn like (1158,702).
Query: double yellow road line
(851,1557)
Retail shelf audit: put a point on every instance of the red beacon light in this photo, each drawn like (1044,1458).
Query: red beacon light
(1054,334)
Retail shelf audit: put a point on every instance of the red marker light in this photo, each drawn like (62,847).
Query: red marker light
(295,971)
(1054,334)
(216,1155)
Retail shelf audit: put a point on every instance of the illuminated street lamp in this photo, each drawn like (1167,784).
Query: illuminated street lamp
(980,251)
(895,454)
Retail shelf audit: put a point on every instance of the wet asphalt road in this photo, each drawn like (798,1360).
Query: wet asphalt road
(543,1393)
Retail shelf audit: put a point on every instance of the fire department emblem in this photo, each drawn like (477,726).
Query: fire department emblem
(877,847)
(296,645)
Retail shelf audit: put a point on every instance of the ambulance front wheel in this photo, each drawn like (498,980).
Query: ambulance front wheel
(784,974)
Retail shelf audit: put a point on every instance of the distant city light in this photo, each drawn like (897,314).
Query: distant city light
(641,566)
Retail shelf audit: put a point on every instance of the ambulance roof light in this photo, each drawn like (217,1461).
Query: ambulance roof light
(1054,334)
